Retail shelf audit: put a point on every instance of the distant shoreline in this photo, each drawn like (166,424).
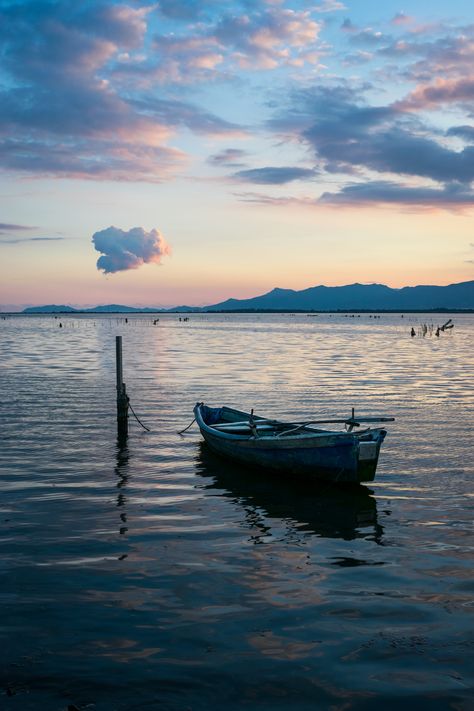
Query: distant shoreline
(351,298)
(201,312)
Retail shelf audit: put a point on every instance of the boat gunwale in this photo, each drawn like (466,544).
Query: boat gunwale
(299,437)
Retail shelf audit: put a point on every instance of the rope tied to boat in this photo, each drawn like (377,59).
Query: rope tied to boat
(136,416)
(187,428)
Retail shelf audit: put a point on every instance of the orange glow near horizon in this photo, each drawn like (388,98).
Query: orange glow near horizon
(269,144)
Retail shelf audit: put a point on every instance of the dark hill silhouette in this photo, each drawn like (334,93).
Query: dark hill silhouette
(353,297)
(358,297)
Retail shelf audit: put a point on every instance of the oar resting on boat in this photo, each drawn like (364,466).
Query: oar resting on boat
(263,424)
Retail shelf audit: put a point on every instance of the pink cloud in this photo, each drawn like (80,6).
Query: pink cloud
(264,40)
(71,106)
(442,52)
(441,91)
(268,39)
(401,19)
(209,60)
(124,250)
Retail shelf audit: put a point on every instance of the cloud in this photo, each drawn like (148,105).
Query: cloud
(359,57)
(267,39)
(123,250)
(330,6)
(67,110)
(272,175)
(172,112)
(54,43)
(442,91)
(59,116)
(83,110)
(369,37)
(187,9)
(8,227)
(21,240)
(385,192)
(377,192)
(441,51)
(92,159)
(262,199)
(464,132)
(194,56)
(380,144)
(231,157)
(260,38)
(350,136)
(401,19)
(89,92)
(46,239)
(100,90)
(348,25)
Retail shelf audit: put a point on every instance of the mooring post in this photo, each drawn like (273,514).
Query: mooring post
(122,398)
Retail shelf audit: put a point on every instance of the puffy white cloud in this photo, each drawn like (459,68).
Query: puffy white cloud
(123,250)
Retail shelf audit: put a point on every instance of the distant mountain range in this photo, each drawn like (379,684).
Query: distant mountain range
(356,297)
(353,297)
(106,309)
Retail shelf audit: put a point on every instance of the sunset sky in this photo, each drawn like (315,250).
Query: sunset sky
(187,151)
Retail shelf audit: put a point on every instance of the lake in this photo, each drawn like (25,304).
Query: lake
(157,576)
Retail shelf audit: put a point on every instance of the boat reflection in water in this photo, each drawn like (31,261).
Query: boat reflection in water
(322,509)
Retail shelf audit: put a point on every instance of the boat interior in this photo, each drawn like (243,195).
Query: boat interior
(230,421)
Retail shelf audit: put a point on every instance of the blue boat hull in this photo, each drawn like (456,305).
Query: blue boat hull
(325,456)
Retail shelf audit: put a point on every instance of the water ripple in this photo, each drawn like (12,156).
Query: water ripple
(153,574)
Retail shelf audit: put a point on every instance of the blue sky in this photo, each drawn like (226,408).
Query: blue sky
(184,152)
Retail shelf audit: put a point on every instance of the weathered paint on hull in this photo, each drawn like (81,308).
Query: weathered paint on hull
(316,454)
(325,463)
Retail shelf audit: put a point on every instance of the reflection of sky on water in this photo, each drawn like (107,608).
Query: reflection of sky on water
(155,572)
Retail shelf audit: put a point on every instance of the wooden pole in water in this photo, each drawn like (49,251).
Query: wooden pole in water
(122,398)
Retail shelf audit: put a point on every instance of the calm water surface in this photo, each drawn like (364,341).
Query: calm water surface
(156,576)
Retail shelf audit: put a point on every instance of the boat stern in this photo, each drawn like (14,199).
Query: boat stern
(368,455)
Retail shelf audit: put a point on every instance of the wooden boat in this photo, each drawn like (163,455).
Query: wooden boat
(295,448)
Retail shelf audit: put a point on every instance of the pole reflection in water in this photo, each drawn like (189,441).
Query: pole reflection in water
(326,510)
(121,471)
